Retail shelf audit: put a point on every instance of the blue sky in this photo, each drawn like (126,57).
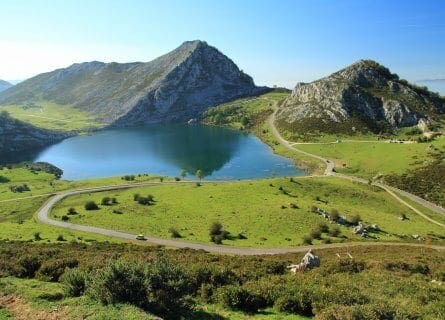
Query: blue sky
(276,42)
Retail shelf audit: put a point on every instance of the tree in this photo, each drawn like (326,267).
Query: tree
(199,174)
(183,174)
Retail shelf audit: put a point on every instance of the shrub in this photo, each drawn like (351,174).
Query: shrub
(60,238)
(316,233)
(334,215)
(174,233)
(334,231)
(148,200)
(113,200)
(314,209)
(307,239)
(323,227)
(28,266)
(37,236)
(168,289)
(217,233)
(120,282)
(356,219)
(136,196)
(65,218)
(238,298)
(91,205)
(106,201)
(296,303)
(72,211)
(52,270)
(74,282)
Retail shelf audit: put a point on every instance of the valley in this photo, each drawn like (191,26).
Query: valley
(179,188)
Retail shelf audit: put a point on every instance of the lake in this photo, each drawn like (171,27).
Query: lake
(166,150)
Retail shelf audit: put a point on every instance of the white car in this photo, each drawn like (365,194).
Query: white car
(140,237)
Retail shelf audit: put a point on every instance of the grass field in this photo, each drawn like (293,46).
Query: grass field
(17,221)
(49,115)
(369,159)
(264,216)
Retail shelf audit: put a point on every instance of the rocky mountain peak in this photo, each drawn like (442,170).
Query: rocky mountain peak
(365,73)
(364,95)
(176,86)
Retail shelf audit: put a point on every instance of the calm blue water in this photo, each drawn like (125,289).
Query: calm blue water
(166,150)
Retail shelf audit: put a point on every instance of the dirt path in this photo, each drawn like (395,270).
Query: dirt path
(22,310)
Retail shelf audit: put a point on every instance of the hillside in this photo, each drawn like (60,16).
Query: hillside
(4,85)
(175,87)
(17,137)
(364,96)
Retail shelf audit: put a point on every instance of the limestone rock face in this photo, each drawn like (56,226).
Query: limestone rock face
(365,92)
(175,87)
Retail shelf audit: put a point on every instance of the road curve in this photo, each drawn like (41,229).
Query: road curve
(330,172)
(44,211)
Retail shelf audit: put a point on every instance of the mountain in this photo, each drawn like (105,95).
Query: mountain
(361,97)
(17,138)
(4,85)
(175,87)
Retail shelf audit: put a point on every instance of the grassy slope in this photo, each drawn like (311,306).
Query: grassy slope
(49,115)
(17,221)
(369,159)
(259,216)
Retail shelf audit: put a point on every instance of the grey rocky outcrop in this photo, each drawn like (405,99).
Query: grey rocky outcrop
(366,92)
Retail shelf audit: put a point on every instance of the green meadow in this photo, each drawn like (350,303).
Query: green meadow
(49,115)
(267,213)
(369,159)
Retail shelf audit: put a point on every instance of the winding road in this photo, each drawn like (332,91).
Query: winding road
(43,214)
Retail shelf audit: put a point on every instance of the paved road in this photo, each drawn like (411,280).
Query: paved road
(44,211)
(330,172)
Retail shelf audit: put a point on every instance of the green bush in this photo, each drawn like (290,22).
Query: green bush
(74,282)
(106,201)
(91,205)
(238,298)
(52,270)
(168,289)
(307,239)
(120,282)
(28,266)
(174,233)
(296,303)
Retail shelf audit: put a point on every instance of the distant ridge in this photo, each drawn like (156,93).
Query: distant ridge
(175,87)
(4,85)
